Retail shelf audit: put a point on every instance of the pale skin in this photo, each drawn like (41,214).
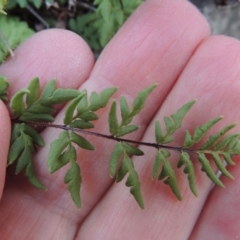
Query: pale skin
(166,42)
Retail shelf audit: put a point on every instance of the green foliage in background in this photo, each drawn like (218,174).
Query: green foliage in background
(14,32)
(33,108)
(97,25)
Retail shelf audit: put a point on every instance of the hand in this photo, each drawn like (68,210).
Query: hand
(167,42)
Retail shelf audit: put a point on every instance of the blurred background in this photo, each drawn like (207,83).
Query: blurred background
(222,15)
(96,21)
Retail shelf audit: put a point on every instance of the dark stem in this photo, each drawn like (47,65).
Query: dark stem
(111,137)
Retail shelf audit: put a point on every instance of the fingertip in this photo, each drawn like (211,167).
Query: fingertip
(5,131)
(53,53)
(157,40)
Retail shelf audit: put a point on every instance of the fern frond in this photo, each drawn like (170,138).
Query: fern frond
(30,105)
(125,150)
(62,151)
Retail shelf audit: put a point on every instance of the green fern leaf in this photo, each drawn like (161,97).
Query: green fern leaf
(56,149)
(188,141)
(167,139)
(32,177)
(112,119)
(16,149)
(83,103)
(214,138)
(131,150)
(139,102)
(21,134)
(157,163)
(17,102)
(88,116)
(37,3)
(23,160)
(206,167)
(105,9)
(112,16)
(189,170)
(79,110)
(231,139)
(132,180)
(69,112)
(37,139)
(61,95)
(158,132)
(233,147)
(125,111)
(199,133)
(228,159)
(180,114)
(88,26)
(21,149)
(15,132)
(48,89)
(118,151)
(62,160)
(221,166)
(114,159)
(119,16)
(172,124)
(101,100)
(81,141)
(126,130)
(162,155)
(73,179)
(4,84)
(171,180)
(39,109)
(34,88)
(36,117)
